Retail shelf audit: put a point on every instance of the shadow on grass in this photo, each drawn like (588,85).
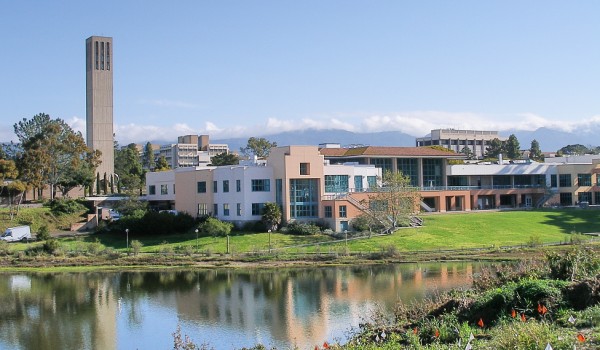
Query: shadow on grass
(573,220)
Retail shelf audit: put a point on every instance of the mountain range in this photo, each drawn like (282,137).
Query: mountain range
(550,140)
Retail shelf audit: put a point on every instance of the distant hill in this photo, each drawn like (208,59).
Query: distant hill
(552,140)
(315,137)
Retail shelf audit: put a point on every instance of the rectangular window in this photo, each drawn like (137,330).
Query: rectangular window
(553,181)
(584,197)
(173,188)
(597,179)
(384,163)
(164,189)
(409,167)
(96,54)
(597,198)
(201,186)
(304,168)
(564,180)
(566,199)
(261,185)
(343,211)
(225,185)
(584,179)
(328,211)
(239,209)
(257,208)
(279,192)
(336,183)
(107,56)
(215,209)
(152,189)
(372,181)
(238,185)
(102,55)
(215,187)
(358,183)
(202,209)
(225,209)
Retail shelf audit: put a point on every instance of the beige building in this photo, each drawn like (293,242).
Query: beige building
(99,100)
(455,140)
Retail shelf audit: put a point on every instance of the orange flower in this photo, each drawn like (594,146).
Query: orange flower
(480,322)
(437,333)
(542,309)
(316,347)
(325,345)
(580,337)
(513,313)
(415,330)
(523,318)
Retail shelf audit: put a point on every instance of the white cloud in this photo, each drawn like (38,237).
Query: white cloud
(169,103)
(415,123)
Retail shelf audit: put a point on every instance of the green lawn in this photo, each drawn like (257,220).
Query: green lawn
(441,231)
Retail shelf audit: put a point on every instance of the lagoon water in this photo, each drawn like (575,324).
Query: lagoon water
(223,308)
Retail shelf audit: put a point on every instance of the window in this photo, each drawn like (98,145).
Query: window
(202,209)
(215,187)
(96,54)
(553,181)
(384,163)
(239,209)
(225,185)
(358,183)
(226,209)
(164,189)
(432,172)
(343,211)
(173,188)
(215,209)
(596,198)
(238,185)
(201,186)
(102,56)
(336,183)
(566,199)
(564,180)
(304,198)
(152,189)
(304,168)
(279,192)
(372,181)
(409,167)
(261,185)
(597,179)
(107,56)
(584,179)
(328,211)
(257,208)
(584,197)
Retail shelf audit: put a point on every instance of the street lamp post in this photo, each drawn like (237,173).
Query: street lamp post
(127,240)
(197,247)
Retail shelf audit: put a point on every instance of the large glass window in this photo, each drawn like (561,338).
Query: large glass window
(225,186)
(152,189)
(584,197)
(584,179)
(566,198)
(432,172)
(304,198)
(384,163)
(553,181)
(564,180)
(336,183)
(409,167)
(597,198)
(261,185)
(358,183)
(257,208)
(201,186)
(372,181)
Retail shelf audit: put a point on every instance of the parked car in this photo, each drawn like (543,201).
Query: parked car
(16,234)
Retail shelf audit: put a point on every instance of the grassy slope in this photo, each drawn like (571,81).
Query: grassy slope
(36,217)
(441,231)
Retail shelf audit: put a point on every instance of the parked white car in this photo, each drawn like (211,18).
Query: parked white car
(16,234)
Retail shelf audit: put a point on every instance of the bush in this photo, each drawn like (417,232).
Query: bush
(65,206)
(4,248)
(215,227)
(153,223)
(43,233)
(51,246)
(136,246)
(530,335)
(575,264)
(302,228)
(95,248)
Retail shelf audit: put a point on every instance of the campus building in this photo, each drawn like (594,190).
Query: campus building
(455,140)
(191,151)
(99,100)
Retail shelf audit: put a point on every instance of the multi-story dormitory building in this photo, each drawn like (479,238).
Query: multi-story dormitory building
(330,183)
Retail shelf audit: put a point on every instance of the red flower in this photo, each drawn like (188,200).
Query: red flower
(523,318)
(513,313)
(580,337)
(480,322)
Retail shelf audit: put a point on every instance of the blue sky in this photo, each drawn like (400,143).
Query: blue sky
(251,68)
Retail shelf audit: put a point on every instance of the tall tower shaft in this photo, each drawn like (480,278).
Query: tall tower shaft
(99,100)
